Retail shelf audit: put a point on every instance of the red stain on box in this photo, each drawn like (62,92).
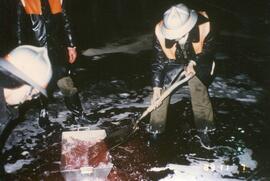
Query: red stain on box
(85,156)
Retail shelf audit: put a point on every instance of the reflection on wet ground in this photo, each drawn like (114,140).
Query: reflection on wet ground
(115,89)
(117,95)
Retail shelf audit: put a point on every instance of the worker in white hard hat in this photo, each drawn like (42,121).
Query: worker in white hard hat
(24,73)
(184,39)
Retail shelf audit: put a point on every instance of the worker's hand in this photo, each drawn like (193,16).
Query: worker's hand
(189,71)
(72,54)
(156,96)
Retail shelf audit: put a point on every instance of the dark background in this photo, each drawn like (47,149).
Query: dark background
(98,21)
(243,29)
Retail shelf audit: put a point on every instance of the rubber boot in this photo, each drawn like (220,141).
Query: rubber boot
(72,99)
(43,119)
(73,104)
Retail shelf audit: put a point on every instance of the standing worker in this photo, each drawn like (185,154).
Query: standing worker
(184,39)
(45,23)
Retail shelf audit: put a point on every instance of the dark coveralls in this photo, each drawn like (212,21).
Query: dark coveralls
(165,70)
(45,23)
(7,113)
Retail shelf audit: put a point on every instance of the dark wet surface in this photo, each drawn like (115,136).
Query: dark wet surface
(240,125)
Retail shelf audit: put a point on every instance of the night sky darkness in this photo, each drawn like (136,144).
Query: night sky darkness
(108,82)
(98,21)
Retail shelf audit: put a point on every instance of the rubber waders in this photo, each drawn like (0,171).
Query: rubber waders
(158,117)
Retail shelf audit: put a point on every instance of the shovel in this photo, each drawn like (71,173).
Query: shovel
(120,136)
(130,130)
(94,159)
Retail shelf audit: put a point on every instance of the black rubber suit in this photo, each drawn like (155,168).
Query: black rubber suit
(7,113)
(46,23)
(47,29)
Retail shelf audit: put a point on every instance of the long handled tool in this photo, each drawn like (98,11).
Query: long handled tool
(153,106)
(165,94)
(93,146)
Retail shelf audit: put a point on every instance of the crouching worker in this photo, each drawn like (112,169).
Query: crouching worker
(184,39)
(24,73)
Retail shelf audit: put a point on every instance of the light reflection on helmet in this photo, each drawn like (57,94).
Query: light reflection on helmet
(30,64)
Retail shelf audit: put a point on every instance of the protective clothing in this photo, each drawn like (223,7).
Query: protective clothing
(172,56)
(46,23)
(159,116)
(7,113)
(40,22)
(199,48)
(71,97)
(73,103)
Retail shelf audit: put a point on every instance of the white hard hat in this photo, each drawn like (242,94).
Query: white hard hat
(177,21)
(30,64)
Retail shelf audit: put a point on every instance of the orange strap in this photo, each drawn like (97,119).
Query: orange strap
(56,6)
(34,6)
(204,29)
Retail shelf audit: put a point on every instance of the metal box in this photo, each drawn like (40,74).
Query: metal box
(84,156)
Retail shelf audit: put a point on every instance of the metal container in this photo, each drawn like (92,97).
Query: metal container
(85,156)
